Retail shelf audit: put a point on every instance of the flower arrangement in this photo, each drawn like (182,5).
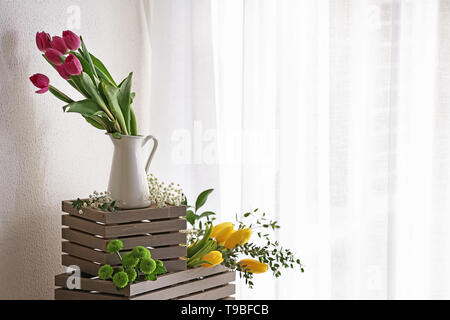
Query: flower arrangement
(106,105)
(137,265)
(210,245)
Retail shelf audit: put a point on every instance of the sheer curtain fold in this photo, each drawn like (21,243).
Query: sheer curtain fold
(332,116)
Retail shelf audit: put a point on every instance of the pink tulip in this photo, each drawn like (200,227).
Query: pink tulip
(54,56)
(62,72)
(72,41)
(42,40)
(73,65)
(41,81)
(59,44)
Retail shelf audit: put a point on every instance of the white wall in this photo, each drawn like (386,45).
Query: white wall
(45,155)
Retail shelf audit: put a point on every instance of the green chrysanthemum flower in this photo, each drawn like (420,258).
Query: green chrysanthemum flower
(129,260)
(151,276)
(114,246)
(159,263)
(131,273)
(160,269)
(141,252)
(105,272)
(147,265)
(118,269)
(120,279)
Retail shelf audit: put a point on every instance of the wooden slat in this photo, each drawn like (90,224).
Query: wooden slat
(175,265)
(145,227)
(123,216)
(155,240)
(174,278)
(114,231)
(90,254)
(228,298)
(88,284)
(86,253)
(66,294)
(84,265)
(89,214)
(84,238)
(150,240)
(88,267)
(189,287)
(212,294)
(168,252)
(83,225)
(163,281)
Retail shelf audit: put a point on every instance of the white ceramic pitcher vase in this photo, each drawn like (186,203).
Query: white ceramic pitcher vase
(128,178)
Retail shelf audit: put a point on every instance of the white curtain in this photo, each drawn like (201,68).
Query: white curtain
(333,116)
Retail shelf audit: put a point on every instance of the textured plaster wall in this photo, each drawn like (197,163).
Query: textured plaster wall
(46,155)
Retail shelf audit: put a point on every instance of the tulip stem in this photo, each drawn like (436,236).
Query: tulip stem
(61,96)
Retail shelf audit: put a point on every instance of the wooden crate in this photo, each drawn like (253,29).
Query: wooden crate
(193,284)
(86,235)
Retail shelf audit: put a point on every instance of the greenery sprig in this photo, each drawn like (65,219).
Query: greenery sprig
(96,200)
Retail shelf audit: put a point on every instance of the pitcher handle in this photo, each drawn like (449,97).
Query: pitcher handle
(155,145)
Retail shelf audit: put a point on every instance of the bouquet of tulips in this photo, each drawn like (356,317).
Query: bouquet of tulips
(106,105)
(210,245)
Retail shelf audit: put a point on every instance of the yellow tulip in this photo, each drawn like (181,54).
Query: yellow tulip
(253,265)
(238,237)
(223,234)
(214,257)
(219,228)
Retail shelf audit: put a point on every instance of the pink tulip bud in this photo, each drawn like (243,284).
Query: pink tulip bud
(41,81)
(72,41)
(62,72)
(42,40)
(59,44)
(54,56)
(73,65)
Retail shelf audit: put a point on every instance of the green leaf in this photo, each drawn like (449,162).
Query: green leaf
(206,214)
(201,199)
(100,66)
(117,135)
(124,99)
(87,56)
(111,94)
(94,123)
(76,82)
(199,263)
(89,86)
(88,69)
(85,107)
(190,217)
(61,96)
(133,123)
(101,118)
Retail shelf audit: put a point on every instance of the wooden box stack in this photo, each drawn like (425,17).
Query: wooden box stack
(86,235)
